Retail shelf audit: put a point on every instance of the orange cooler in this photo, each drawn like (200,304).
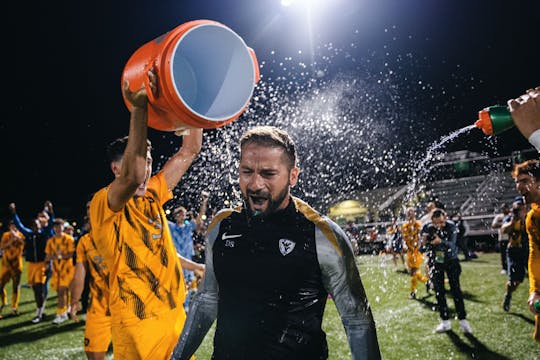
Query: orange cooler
(206,76)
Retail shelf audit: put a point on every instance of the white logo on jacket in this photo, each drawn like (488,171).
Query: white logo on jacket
(286,246)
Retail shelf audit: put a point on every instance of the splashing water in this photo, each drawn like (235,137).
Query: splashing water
(354,119)
(421,171)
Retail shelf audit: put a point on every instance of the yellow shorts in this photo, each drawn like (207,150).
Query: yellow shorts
(97,332)
(414,259)
(35,272)
(62,278)
(153,338)
(8,272)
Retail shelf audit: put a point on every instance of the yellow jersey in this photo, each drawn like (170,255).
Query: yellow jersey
(145,276)
(12,244)
(411,235)
(532,223)
(98,272)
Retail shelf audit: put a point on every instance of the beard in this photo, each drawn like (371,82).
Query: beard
(272,205)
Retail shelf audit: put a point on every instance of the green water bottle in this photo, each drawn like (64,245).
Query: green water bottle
(536,306)
(493,120)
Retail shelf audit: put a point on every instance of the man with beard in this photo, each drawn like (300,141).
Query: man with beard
(289,257)
(527,178)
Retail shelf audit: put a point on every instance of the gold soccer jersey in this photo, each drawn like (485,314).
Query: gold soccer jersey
(13,245)
(98,272)
(410,233)
(58,247)
(533,229)
(145,277)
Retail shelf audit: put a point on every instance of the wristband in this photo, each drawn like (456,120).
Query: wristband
(534,139)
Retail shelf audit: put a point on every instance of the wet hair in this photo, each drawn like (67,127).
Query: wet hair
(116,149)
(273,137)
(438,213)
(529,167)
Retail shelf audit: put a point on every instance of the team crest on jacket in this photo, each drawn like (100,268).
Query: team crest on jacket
(286,246)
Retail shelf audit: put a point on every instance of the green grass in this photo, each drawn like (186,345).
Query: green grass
(404,327)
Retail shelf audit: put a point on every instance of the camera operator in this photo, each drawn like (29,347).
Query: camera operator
(439,239)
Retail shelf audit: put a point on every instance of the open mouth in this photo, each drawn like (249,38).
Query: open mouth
(258,201)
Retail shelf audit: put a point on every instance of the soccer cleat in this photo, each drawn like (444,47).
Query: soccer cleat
(15,312)
(443,326)
(36,319)
(412,295)
(60,318)
(465,326)
(503,272)
(506,302)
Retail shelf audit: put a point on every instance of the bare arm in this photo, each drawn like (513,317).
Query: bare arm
(133,168)
(77,286)
(202,210)
(190,265)
(179,163)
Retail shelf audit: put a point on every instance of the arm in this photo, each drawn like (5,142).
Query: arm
(506,228)
(134,163)
(203,307)
(342,280)
(497,222)
(525,111)
(190,265)
(17,221)
(77,286)
(178,164)
(202,210)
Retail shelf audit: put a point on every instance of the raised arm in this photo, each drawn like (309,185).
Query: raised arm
(179,163)
(17,221)
(202,209)
(135,166)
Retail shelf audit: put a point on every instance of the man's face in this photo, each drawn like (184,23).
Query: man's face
(180,215)
(528,186)
(265,178)
(58,229)
(439,221)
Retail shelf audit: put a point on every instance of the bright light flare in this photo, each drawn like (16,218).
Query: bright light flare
(303,3)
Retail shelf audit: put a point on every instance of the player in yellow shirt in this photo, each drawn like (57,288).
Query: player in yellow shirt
(130,231)
(97,332)
(60,249)
(411,235)
(527,178)
(12,246)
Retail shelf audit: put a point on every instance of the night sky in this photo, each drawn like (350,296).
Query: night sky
(449,59)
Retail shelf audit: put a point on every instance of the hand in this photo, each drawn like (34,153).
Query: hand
(525,111)
(199,271)
(48,206)
(75,306)
(436,241)
(205,195)
(532,298)
(12,208)
(139,98)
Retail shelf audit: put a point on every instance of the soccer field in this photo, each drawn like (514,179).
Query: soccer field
(404,327)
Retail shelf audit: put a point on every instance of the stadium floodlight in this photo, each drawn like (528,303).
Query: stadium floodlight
(310,4)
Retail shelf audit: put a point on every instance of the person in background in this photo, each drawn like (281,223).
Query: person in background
(182,231)
(527,178)
(411,235)
(498,221)
(90,265)
(35,241)
(439,237)
(59,250)
(271,265)
(12,246)
(525,111)
(514,227)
